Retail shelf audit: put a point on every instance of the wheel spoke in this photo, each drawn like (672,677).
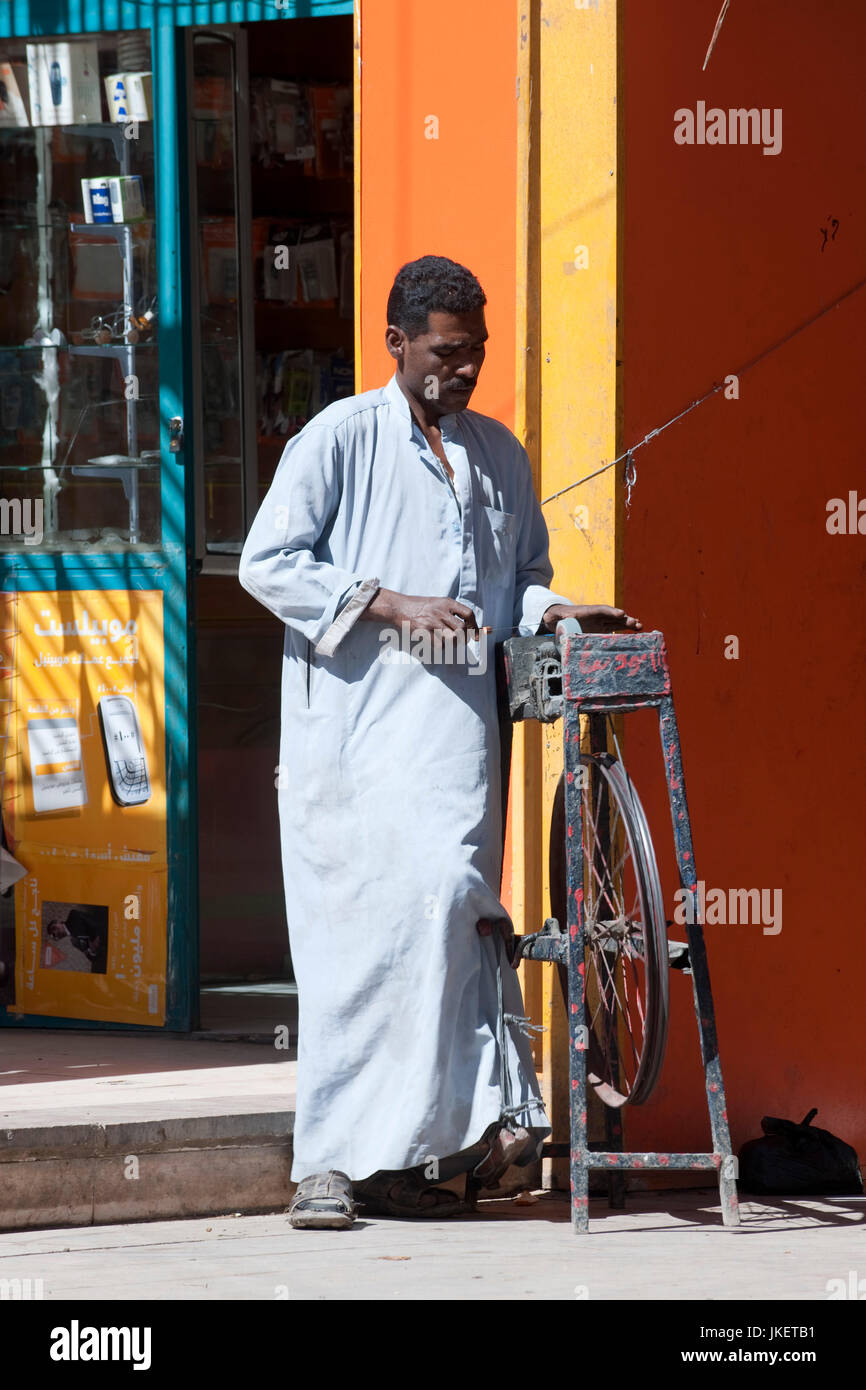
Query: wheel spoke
(622,976)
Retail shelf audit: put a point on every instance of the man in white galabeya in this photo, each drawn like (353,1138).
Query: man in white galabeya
(402,506)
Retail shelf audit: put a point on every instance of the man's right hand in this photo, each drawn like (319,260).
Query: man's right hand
(422,614)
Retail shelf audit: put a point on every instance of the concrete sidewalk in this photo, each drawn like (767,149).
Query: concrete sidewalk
(101,1126)
(664,1246)
(101,1129)
(50,1078)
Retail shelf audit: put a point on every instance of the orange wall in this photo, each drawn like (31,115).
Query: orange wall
(727,531)
(454,196)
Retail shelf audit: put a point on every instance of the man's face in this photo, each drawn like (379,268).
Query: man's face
(441,367)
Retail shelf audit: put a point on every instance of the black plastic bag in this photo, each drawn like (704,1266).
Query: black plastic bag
(796,1160)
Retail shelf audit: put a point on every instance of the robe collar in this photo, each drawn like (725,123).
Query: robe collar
(395,397)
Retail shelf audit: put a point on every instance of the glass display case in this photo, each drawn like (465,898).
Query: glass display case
(270,148)
(79,437)
(171,250)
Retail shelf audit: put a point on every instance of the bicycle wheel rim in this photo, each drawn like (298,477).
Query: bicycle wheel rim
(644,937)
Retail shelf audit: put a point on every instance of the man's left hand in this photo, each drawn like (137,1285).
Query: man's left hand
(592,617)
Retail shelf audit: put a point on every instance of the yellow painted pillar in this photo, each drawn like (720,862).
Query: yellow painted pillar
(526,761)
(568,395)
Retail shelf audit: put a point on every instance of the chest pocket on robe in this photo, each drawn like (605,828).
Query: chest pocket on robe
(495,555)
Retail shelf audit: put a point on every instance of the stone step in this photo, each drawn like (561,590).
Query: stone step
(99,1128)
(144,1170)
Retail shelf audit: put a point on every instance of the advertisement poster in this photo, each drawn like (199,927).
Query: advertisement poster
(84,805)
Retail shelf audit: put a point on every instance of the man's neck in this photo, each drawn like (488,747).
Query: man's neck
(428,421)
(429,428)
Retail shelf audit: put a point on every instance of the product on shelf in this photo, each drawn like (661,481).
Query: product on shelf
(279,267)
(292,387)
(310,126)
(130,96)
(332,126)
(118,102)
(298,261)
(113,198)
(126,192)
(96,197)
(133,51)
(139,89)
(290,120)
(14,94)
(135,327)
(142,325)
(64,83)
(282,124)
(317,269)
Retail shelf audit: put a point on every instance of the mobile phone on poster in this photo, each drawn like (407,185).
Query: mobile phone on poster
(125,757)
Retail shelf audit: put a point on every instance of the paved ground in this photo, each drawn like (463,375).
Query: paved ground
(60,1076)
(666,1246)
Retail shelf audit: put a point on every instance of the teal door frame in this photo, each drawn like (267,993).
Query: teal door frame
(172,567)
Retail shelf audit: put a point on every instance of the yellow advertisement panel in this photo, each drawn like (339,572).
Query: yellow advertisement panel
(85,804)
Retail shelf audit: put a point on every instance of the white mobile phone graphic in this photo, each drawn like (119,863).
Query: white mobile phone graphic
(124,750)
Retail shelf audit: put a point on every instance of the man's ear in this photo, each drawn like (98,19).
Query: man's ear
(394,341)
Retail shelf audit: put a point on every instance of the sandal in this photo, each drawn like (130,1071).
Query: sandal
(509,1147)
(405,1194)
(323,1202)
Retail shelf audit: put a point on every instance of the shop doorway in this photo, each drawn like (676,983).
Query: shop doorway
(272,283)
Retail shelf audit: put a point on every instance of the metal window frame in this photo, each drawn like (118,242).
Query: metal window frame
(234,34)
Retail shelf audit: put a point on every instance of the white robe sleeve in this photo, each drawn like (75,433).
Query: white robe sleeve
(279,566)
(532,594)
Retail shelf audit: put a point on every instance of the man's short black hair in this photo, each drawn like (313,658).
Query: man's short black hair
(429,285)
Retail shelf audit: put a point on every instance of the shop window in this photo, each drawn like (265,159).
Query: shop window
(79,421)
(271,180)
(270,147)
